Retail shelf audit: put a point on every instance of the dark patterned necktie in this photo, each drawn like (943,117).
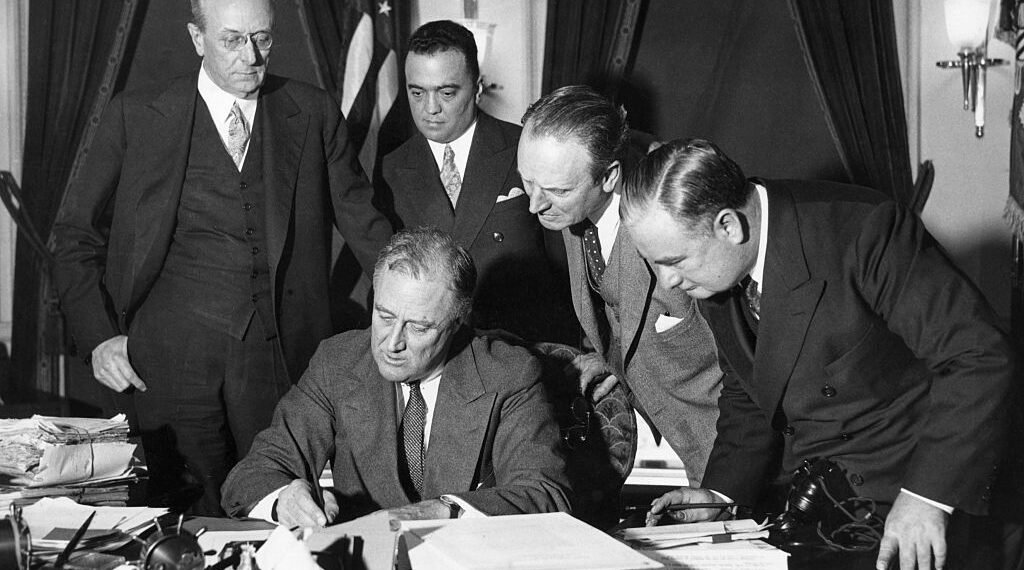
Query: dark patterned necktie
(450,176)
(238,135)
(592,252)
(414,419)
(753,295)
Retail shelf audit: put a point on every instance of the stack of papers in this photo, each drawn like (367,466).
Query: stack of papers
(535,542)
(85,458)
(52,523)
(709,546)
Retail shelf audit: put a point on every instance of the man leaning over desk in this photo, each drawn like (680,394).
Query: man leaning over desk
(416,415)
(845,333)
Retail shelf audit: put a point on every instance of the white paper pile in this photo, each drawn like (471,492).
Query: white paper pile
(52,523)
(85,458)
(736,545)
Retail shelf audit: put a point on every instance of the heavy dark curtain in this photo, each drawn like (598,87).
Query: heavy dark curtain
(850,48)
(75,48)
(591,42)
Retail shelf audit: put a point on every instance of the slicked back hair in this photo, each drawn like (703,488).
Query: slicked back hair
(691,179)
(427,252)
(580,113)
(445,35)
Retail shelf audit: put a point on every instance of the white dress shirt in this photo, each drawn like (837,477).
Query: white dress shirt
(219,102)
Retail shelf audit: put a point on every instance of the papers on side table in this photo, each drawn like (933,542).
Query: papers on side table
(732,545)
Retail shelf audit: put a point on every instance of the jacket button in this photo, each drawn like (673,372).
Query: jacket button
(845,436)
(790,430)
(242,185)
(498,236)
(828,391)
(255,298)
(255,250)
(250,231)
(248,206)
(856,479)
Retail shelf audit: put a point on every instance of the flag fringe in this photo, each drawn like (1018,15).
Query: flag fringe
(1013,213)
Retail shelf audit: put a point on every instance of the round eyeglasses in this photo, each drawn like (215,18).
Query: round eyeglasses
(235,42)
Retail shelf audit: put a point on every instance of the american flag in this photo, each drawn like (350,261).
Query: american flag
(358,43)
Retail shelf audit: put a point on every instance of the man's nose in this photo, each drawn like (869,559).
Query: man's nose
(433,104)
(537,201)
(250,53)
(396,339)
(669,278)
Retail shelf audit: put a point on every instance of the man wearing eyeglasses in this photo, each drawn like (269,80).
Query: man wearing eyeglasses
(194,246)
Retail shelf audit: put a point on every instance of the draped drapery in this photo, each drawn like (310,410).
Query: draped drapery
(591,42)
(74,56)
(851,53)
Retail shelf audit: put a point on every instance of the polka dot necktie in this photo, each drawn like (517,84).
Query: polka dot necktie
(592,251)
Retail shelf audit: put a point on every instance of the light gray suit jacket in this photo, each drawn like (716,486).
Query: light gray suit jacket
(673,375)
(493,439)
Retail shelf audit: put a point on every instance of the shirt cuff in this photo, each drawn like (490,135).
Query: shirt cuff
(264,509)
(948,509)
(466,510)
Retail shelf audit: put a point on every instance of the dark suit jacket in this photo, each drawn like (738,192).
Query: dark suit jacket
(517,289)
(493,439)
(872,350)
(115,226)
(673,375)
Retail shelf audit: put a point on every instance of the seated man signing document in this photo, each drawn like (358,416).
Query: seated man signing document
(416,415)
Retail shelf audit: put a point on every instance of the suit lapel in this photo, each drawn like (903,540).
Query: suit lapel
(371,424)
(789,300)
(284,127)
(482,182)
(636,287)
(580,289)
(417,171)
(461,415)
(156,209)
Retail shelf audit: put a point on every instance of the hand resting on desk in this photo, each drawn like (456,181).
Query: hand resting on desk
(296,507)
(681,496)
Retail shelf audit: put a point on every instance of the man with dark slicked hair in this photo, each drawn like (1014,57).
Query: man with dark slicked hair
(459,174)
(571,159)
(846,334)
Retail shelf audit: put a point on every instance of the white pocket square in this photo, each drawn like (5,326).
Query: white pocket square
(665,322)
(513,193)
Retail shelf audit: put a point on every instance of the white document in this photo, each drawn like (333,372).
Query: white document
(524,542)
(54,517)
(62,464)
(742,555)
(666,536)
(374,534)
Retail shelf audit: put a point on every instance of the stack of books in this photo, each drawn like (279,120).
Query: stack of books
(85,459)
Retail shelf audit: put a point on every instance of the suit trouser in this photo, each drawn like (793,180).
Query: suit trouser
(208,396)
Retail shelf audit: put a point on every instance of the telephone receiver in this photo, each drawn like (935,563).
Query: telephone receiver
(817,485)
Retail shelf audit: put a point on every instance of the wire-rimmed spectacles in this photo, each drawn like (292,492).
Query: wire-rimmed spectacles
(235,42)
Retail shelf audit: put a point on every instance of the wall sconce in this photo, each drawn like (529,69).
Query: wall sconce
(483,33)
(967,23)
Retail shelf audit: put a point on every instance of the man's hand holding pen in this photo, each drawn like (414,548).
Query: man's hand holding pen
(687,504)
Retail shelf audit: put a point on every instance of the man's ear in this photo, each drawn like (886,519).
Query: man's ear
(731,226)
(479,89)
(612,174)
(197,38)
